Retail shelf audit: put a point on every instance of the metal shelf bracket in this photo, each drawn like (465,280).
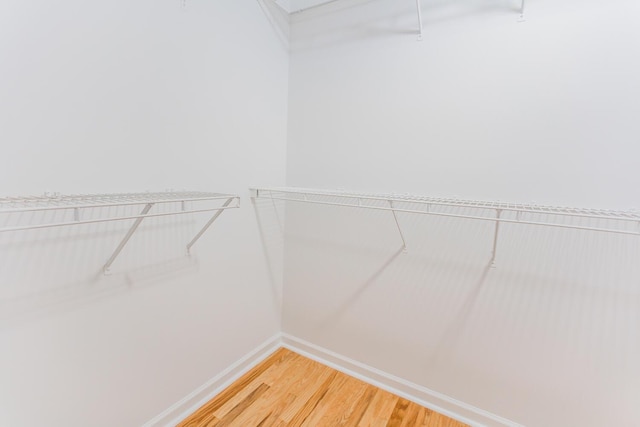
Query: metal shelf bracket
(521,18)
(495,239)
(208,224)
(134,227)
(395,217)
(419,8)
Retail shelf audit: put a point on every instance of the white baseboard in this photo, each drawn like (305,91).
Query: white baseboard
(190,403)
(421,395)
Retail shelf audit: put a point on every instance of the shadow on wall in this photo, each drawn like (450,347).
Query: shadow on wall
(336,316)
(556,322)
(47,271)
(448,340)
(270,220)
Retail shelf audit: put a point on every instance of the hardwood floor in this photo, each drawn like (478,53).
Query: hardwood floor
(288,389)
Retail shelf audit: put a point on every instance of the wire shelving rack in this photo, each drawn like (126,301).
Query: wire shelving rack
(606,221)
(189,202)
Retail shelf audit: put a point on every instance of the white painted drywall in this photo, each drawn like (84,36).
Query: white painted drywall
(488,108)
(483,107)
(119,96)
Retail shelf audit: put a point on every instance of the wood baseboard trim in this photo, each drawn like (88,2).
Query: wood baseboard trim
(421,395)
(194,400)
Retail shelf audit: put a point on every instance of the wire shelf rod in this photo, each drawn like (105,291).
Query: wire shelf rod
(110,202)
(111,196)
(511,207)
(122,218)
(118,196)
(481,218)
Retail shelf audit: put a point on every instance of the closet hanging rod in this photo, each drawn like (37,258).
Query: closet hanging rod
(626,216)
(496,207)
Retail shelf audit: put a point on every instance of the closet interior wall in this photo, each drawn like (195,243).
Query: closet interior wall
(121,96)
(126,96)
(489,108)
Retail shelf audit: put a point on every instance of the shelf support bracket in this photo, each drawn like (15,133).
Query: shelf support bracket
(495,239)
(208,224)
(124,241)
(419,7)
(395,217)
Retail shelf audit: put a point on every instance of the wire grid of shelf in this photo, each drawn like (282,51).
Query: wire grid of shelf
(307,195)
(57,201)
(598,220)
(190,202)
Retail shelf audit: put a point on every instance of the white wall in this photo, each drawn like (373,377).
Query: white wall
(484,107)
(488,108)
(119,96)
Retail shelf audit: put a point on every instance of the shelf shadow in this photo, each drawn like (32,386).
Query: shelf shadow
(96,287)
(454,330)
(342,309)
(269,252)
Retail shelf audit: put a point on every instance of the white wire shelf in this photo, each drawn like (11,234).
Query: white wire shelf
(189,202)
(598,220)
(80,201)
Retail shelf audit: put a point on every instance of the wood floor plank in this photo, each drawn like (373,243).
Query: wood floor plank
(422,417)
(434,419)
(332,402)
(287,382)
(361,407)
(380,409)
(324,404)
(240,408)
(310,405)
(232,391)
(202,420)
(305,389)
(399,412)
(273,418)
(341,406)
(269,376)
(411,417)
(289,390)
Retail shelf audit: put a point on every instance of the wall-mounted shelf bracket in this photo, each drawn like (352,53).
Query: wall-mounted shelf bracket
(521,18)
(495,239)
(134,227)
(208,224)
(395,217)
